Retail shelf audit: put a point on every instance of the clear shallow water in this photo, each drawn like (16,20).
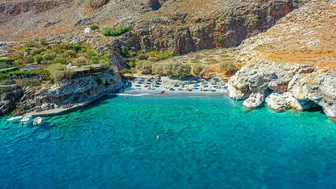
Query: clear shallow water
(113,145)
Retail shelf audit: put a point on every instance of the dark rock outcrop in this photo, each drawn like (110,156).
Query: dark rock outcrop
(9,97)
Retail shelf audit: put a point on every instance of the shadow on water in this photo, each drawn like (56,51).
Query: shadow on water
(101,101)
(47,125)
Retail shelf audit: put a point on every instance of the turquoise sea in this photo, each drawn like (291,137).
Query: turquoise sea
(212,142)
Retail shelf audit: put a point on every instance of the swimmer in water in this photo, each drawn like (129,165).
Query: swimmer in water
(166,132)
(157,137)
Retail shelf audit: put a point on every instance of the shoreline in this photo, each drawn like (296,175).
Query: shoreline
(138,93)
(170,93)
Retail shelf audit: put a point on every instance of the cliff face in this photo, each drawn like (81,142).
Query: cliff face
(177,26)
(9,96)
(81,90)
(292,65)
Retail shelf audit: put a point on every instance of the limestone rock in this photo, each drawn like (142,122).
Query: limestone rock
(234,93)
(281,102)
(254,101)
(10,95)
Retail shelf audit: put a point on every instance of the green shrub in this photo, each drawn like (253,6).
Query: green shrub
(28,82)
(29,44)
(124,71)
(161,56)
(68,62)
(65,45)
(30,59)
(116,31)
(46,62)
(106,56)
(151,49)
(19,55)
(94,27)
(131,53)
(19,63)
(60,60)
(35,52)
(49,56)
(142,56)
(221,40)
(104,62)
(76,47)
(95,59)
(91,53)
(124,51)
(38,59)
(42,42)
(132,62)
(6,81)
(57,72)
(7,60)
(70,53)
(81,61)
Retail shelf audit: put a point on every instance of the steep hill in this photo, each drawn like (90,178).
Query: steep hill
(179,26)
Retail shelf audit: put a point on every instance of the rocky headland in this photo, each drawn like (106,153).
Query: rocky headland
(82,90)
(292,65)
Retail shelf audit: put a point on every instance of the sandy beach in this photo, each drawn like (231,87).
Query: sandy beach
(142,85)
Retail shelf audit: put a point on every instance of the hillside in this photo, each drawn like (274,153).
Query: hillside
(294,61)
(305,36)
(180,26)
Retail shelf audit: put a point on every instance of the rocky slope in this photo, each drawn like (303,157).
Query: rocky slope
(81,90)
(180,26)
(292,65)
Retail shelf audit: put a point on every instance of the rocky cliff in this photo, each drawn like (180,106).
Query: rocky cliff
(9,96)
(292,65)
(81,90)
(177,26)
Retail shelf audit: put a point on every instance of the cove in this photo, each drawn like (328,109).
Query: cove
(212,142)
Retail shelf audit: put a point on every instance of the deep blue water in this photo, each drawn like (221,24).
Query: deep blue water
(212,142)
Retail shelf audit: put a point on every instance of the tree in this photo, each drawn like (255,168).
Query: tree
(38,59)
(57,72)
